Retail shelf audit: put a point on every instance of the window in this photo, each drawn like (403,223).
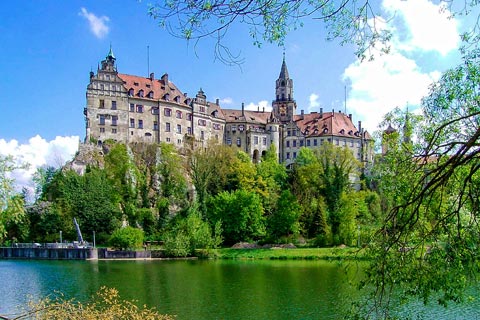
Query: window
(178,114)
(239,142)
(202,135)
(315,142)
(189,116)
(308,143)
(150,94)
(202,109)
(167,127)
(102,103)
(264,141)
(140,93)
(234,128)
(202,122)
(288,144)
(102,87)
(167,112)
(168,139)
(155,110)
(139,108)
(102,119)
(102,130)
(294,155)
(189,130)
(179,141)
(130,92)
(337,142)
(155,125)
(288,155)
(255,140)
(294,143)
(179,128)
(114,105)
(289,133)
(301,143)
(241,127)
(140,124)
(216,126)
(229,141)
(132,107)
(132,123)
(114,120)
(114,130)
(351,143)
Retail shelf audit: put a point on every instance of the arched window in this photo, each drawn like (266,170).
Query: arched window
(130,92)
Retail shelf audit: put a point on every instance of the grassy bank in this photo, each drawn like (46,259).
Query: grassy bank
(291,254)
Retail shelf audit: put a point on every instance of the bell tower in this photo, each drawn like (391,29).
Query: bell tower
(284,106)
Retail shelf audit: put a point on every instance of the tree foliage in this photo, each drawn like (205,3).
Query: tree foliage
(126,238)
(11,204)
(351,21)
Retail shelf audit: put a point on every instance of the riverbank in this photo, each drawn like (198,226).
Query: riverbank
(336,253)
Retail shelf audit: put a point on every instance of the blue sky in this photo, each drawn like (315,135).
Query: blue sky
(49,48)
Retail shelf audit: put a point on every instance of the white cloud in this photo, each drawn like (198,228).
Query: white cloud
(313,102)
(37,153)
(396,79)
(260,106)
(98,25)
(227,101)
(428,26)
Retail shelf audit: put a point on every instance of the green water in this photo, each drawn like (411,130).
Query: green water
(204,289)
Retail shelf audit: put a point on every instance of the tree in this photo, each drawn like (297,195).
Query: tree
(241,215)
(352,21)
(126,238)
(428,241)
(11,204)
(283,222)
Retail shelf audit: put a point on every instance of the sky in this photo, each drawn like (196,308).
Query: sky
(49,48)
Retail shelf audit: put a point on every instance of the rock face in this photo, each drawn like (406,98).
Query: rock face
(88,154)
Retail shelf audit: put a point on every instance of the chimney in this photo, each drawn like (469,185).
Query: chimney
(359,126)
(350,116)
(301,114)
(263,109)
(185,94)
(165,78)
(243,109)
(321,113)
(217,101)
(258,108)
(152,76)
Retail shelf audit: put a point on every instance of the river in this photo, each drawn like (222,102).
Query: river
(218,289)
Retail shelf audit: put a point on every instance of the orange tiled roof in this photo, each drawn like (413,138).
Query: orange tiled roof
(154,89)
(327,124)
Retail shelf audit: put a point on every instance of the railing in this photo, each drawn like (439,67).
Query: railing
(55,245)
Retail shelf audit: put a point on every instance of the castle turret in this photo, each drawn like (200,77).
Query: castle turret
(284,106)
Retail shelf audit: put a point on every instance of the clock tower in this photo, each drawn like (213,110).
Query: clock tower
(284,106)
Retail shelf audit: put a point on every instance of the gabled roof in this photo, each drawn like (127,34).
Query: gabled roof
(215,111)
(162,89)
(327,124)
(255,117)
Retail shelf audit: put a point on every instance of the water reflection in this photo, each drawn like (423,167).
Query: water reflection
(202,289)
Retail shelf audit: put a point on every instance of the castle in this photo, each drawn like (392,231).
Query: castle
(128,108)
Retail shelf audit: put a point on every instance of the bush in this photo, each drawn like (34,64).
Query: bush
(106,304)
(125,238)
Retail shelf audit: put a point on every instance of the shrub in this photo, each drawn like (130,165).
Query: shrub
(106,304)
(125,238)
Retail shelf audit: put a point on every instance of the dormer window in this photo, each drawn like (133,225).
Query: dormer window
(150,94)
(135,84)
(342,131)
(140,93)
(325,130)
(350,132)
(177,99)
(166,97)
(130,92)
